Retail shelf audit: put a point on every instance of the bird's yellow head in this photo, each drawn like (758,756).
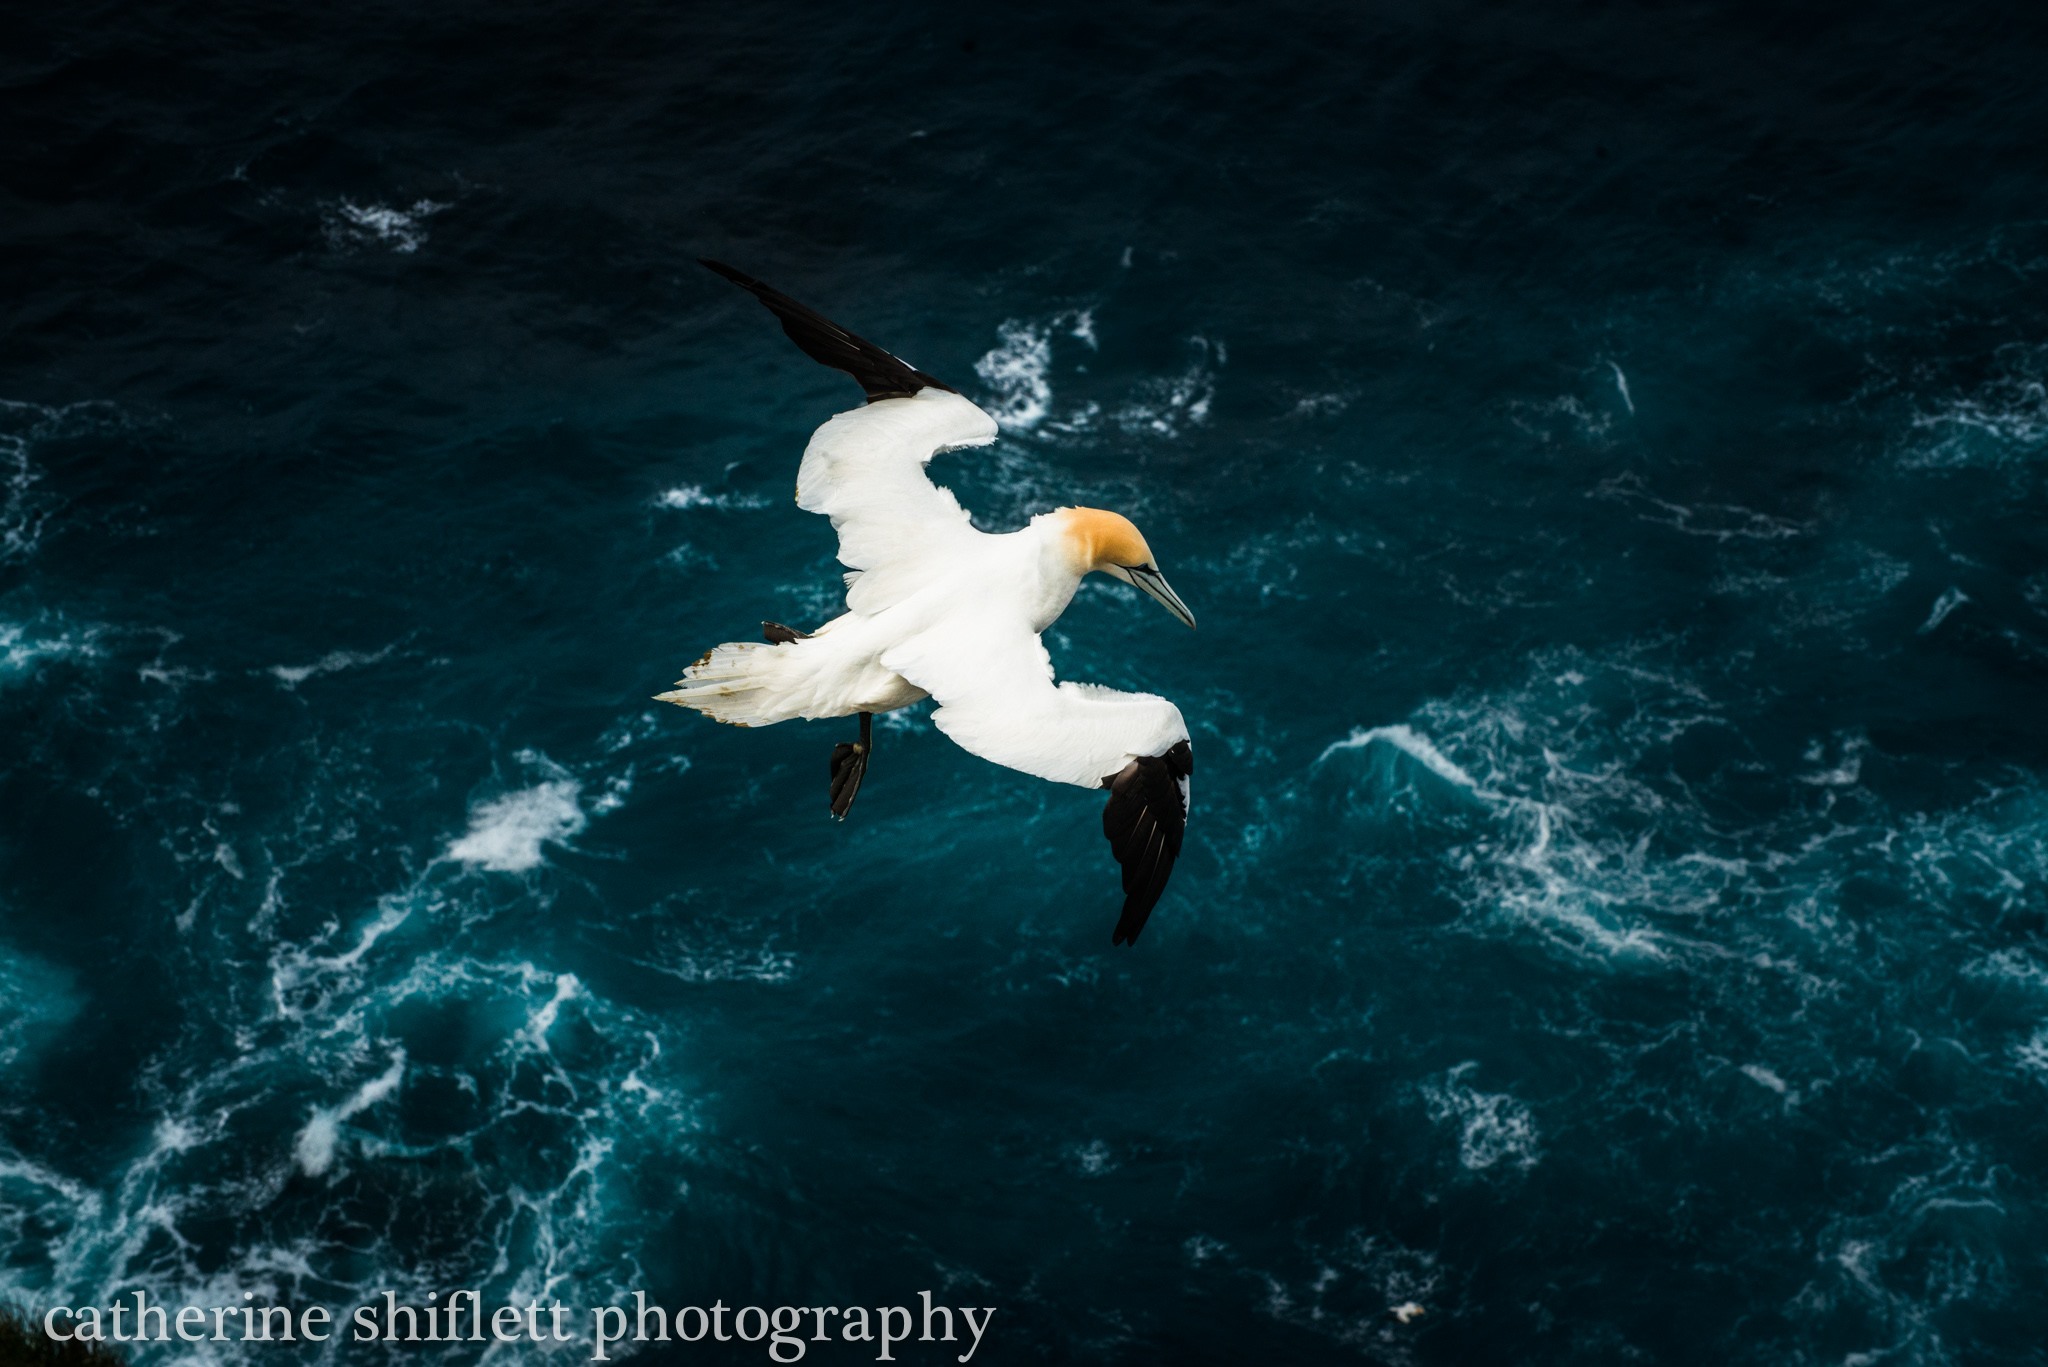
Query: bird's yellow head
(1099,540)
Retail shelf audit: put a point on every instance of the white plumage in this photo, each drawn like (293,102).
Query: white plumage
(938,608)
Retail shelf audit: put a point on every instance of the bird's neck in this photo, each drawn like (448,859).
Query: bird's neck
(1052,571)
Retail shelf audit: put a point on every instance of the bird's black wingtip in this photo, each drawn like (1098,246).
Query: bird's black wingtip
(1131,923)
(1145,818)
(881,374)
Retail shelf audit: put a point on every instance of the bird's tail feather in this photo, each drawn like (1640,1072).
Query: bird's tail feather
(741,683)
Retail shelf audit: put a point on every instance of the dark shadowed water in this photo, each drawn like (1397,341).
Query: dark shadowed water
(1608,454)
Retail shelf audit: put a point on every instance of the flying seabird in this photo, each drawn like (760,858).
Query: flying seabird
(937,608)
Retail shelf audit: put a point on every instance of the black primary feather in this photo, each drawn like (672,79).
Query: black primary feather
(1145,819)
(881,375)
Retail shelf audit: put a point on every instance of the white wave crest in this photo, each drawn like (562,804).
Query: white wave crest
(1565,419)
(349,224)
(1017,369)
(1567,807)
(2002,422)
(1493,1128)
(25,508)
(1764,1077)
(548,1105)
(1715,521)
(1352,1290)
(694,496)
(21,514)
(2031,1054)
(1542,867)
(170,1218)
(25,648)
(314,1149)
(1165,407)
(1416,746)
(506,833)
(727,964)
(1621,383)
(291,676)
(1092,1159)
(1948,602)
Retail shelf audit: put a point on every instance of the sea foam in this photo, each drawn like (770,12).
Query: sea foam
(402,230)
(694,496)
(315,1146)
(1017,370)
(506,833)
(1493,1128)
(291,676)
(25,648)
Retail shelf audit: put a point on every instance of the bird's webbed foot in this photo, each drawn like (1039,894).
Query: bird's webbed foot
(850,766)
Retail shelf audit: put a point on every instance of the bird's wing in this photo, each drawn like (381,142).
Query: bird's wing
(881,374)
(1145,819)
(865,469)
(997,699)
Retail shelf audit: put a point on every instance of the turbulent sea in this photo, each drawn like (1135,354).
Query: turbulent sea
(1607,452)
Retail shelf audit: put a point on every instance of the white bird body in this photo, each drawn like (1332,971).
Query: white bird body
(938,608)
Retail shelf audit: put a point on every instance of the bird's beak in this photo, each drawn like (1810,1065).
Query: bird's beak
(1154,584)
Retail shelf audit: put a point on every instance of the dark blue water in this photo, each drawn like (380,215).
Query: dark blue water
(1607,452)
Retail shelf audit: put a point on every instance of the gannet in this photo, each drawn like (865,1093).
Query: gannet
(937,608)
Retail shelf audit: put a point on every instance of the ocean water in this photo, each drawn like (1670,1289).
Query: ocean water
(1607,451)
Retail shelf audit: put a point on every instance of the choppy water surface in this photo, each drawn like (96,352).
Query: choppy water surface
(1608,454)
